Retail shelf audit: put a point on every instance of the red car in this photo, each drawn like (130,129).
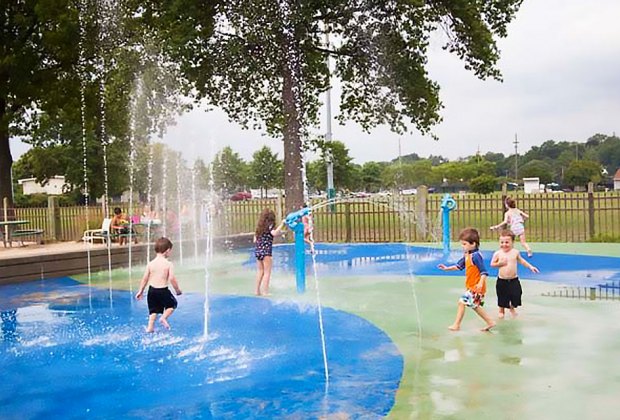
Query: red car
(241,195)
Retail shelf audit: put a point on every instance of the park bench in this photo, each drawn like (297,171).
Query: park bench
(35,234)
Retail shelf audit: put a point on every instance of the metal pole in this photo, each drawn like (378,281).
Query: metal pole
(516,143)
(331,192)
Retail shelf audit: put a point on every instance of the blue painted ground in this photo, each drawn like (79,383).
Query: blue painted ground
(390,259)
(64,354)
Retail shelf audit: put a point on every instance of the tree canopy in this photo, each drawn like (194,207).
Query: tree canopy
(265,63)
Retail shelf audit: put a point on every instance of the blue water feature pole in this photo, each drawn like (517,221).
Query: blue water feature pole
(294,222)
(447,205)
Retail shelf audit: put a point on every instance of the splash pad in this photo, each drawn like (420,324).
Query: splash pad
(263,357)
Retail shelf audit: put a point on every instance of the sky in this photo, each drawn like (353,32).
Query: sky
(561,68)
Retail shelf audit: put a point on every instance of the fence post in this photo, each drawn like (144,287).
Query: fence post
(279,214)
(420,210)
(5,208)
(591,210)
(53,218)
(347,221)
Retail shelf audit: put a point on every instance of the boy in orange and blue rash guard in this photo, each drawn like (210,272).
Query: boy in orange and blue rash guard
(475,279)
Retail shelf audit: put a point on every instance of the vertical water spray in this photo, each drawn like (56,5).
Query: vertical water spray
(293,62)
(149,199)
(194,210)
(82,66)
(209,240)
(106,22)
(104,143)
(164,191)
(132,164)
(179,221)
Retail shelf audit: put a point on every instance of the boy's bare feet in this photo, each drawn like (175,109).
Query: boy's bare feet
(164,323)
(501,315)
(149,329)
(454,327)
(514,313)
(488,327)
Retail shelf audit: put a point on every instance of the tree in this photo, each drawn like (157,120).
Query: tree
(537,168)
(229,171)
(201,172)
(266,63)
(266,170)
(483,184)
(344,176)
(580,172)
(68,72)
(37,52)
(609,153)
(371,176)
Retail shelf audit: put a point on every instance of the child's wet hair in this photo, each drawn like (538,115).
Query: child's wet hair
(117,210)
(510,202)
(470,235)
(162,245)
(507,233)
(265,221)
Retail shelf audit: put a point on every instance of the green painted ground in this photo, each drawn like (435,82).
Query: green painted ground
(557,360)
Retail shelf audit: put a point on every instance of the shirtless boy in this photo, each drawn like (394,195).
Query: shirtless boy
(158,275)
(508,287)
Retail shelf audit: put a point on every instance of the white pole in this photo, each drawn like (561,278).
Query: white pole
(331,193)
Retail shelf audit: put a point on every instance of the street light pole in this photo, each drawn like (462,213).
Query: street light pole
(331,192)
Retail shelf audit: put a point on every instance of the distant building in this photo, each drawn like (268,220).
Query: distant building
(56,185)
(531,185)
(617,181)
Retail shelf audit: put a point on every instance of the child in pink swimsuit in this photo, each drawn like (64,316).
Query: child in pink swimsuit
(514,219)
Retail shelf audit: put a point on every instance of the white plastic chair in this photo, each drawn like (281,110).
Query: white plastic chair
(103,234)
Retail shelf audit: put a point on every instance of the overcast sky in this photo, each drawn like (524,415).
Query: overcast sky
(561,70)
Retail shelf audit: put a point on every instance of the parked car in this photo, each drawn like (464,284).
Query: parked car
(241,195)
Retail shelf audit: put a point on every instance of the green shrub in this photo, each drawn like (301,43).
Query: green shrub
(604,237)
(483,184)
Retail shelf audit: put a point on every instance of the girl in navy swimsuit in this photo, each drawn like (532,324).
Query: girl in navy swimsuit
(263,239)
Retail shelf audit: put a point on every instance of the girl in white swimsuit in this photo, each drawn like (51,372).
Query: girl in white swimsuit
(515,218)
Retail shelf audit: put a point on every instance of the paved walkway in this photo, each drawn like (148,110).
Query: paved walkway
(32,249)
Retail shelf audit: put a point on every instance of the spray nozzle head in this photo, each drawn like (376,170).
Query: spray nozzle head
(447,202)
(294,218)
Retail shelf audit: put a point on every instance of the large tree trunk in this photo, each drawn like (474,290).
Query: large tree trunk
(6,160)
(291,98)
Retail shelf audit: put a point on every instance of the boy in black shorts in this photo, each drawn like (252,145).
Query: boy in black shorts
(158,275)
(508,287)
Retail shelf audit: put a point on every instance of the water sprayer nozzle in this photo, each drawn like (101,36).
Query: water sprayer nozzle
(294,218)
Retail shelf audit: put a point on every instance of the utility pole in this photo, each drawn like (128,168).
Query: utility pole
(516,143)
(331,192)
(576,151)
(400,168)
